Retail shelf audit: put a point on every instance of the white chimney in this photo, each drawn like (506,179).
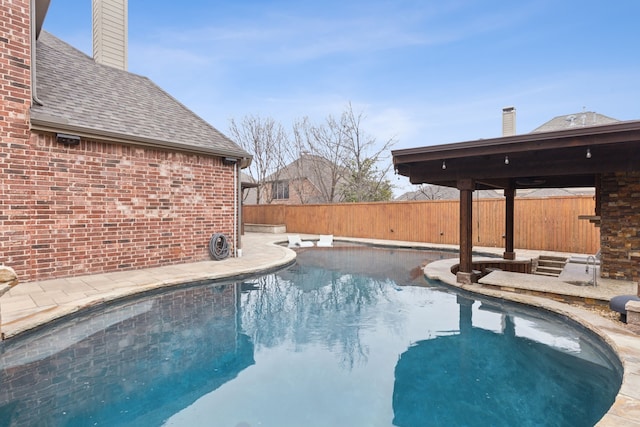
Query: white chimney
(110,32)
(508,121)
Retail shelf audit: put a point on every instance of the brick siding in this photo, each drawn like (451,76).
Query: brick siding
(15,76)
(99,207)
(15,67)
(15,93)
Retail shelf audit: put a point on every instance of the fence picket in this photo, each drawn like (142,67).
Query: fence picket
(540,223)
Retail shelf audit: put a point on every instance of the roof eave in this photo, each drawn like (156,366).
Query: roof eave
(517,143)
(40,7)
(55,126)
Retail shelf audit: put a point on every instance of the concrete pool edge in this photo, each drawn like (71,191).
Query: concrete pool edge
(626,344)
(33,305)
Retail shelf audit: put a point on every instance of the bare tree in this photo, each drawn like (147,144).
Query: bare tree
(337,158)
(366,181)
(321,152)
(266,139)
(434,192)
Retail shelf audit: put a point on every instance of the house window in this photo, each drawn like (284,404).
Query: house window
(280,189)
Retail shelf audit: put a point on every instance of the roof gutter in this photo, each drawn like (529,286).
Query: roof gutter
(517,143)
(50,125)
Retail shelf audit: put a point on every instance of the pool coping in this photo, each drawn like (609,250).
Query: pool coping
(32,305)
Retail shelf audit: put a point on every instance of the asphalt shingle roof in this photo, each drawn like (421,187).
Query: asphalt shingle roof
(568,121)
(81,95)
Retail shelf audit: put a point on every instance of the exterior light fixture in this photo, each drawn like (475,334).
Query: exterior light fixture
(228,161)
(444,165)
(588,153)
(506,160)
(67,139)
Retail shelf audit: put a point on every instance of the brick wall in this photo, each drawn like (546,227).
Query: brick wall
(620,225)
(99,207)
(15,64)
(15,96)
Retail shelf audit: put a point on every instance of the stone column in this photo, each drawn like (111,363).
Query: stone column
(619,204)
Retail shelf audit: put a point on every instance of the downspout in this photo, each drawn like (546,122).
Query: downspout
(236,242)
(34,94)
(242,163)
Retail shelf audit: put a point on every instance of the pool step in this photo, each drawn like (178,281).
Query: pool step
(541,272)
(550,266)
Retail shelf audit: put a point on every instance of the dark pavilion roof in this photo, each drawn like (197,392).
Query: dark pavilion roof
(571,157)
(82,97)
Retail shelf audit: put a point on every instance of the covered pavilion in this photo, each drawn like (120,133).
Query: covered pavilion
(606,157)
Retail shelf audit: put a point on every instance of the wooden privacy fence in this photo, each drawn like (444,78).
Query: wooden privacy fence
(540,223)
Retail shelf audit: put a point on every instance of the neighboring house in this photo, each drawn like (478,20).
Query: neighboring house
(555,192)
(308,179)
(249,189)
(100,169)
(436,192)
(569,121)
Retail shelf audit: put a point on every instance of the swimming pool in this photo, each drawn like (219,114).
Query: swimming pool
(346,337)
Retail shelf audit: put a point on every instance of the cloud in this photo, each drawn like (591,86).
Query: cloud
(300,35)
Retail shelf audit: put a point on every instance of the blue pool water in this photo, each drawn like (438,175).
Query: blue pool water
(346,337)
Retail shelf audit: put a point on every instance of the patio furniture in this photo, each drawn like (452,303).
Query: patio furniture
(326,240)
(618,304)
(296,242)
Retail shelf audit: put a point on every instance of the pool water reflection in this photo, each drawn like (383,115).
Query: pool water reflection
(345,337)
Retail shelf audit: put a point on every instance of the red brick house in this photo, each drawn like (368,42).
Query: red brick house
(100,169)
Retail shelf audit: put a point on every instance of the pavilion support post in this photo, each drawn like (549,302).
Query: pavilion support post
(466,187)
(510,195)
(465,322)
